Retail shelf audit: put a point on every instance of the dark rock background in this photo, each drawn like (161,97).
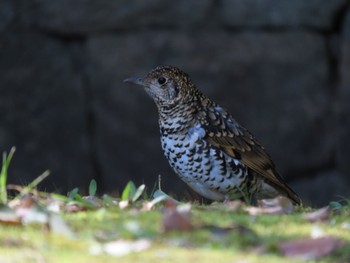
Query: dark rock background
(281,68)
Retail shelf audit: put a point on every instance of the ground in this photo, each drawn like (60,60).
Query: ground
(153,227)
(169,233)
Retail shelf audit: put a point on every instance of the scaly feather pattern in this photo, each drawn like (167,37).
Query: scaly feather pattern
(206,147)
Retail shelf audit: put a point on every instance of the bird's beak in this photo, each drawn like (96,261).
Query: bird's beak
(135,80)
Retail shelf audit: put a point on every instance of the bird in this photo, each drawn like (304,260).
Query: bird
(205,146)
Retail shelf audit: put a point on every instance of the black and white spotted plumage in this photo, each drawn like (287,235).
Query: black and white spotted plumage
(205,145)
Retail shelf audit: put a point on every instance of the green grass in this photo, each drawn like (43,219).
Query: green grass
(6,160)
(94,228)
(219,234)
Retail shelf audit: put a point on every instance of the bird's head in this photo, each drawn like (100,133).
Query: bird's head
(166,85)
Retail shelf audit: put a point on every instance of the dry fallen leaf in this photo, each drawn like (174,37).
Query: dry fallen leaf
(124,204)
(176,217)
(26,205)
(274,206)
(121,247)
(310,248)
(147,206)
(321,214)
(8,216)
(72,207)
(30,212)
(317,231)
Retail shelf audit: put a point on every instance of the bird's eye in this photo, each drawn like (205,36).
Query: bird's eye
(161,80)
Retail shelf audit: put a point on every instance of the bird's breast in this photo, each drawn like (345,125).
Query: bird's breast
(200,164)
(185,150)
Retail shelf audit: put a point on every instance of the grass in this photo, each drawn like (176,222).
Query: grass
(94,228)
(6,160)
(219,234)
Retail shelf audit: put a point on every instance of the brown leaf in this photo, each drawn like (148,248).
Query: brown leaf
(29,211)
(321,214)
(28,201)
(310,248)
(8,216)
(176,217)
(26,204)
(274,206)
(74,208)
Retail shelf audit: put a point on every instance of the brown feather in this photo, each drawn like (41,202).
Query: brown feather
(239,143)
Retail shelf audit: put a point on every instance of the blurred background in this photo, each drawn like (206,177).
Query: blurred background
(282,68)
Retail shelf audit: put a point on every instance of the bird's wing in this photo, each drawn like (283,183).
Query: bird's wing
(225,133)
